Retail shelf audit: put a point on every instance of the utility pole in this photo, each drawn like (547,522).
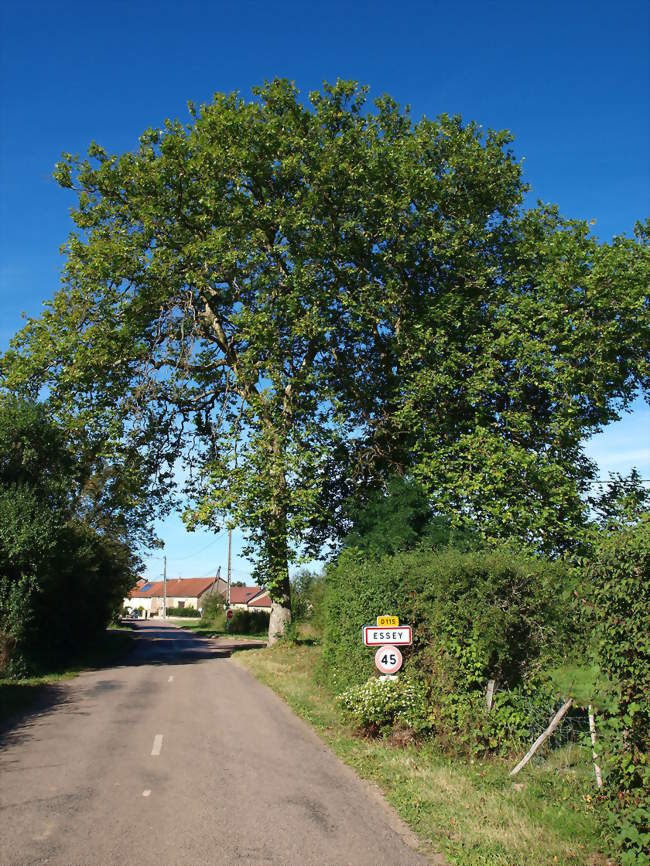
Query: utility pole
(229,566)
(164,587)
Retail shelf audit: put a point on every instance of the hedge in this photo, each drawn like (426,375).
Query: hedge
(492,614)
(476,616)
(249,622)
(182,611)
(619,576)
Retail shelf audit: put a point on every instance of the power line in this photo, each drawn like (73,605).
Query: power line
(196,552)
(620,481)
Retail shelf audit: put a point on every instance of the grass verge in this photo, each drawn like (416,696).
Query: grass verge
(17,696)
(470,811)
(203,629)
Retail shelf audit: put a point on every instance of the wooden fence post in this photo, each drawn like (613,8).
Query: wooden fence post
(555,721)
(592,731)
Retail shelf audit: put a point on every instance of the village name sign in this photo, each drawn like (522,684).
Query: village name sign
(387,634)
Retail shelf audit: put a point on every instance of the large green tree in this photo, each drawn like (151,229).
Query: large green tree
(301,300)
(65,556)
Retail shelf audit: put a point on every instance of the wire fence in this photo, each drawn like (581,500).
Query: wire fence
(569,743)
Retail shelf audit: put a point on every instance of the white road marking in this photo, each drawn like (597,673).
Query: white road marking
(157,744)
(170,680)
(146,793)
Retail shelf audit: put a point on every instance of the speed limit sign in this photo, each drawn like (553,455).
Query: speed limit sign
(388,659)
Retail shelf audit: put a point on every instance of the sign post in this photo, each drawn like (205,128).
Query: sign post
(388,634)
(388,659)
(375,636)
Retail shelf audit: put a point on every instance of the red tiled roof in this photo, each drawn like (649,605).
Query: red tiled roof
(261,601)
(188,587)
(244,594)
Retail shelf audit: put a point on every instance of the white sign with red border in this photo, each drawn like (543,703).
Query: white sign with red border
(388,659)
(375,636)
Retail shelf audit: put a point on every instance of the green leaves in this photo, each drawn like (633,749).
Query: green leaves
(298,301)
(619,590)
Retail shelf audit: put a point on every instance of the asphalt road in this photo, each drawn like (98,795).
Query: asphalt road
(180,757)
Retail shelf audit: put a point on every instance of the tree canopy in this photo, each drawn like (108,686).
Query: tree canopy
(302,299)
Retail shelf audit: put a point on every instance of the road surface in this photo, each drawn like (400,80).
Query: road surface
(179,757)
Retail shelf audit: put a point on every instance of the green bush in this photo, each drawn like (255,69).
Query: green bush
(307,598)
(183,611)
(462,724)
(494,614)
(379,706)
(476,616)
(213,614)
(61,578)
(619,576)
(249,622)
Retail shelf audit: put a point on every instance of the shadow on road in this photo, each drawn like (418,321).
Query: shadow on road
(152,644)
(35,702)
(159,644)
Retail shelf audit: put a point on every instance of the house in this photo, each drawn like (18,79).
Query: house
(260,602)
(189,592)
(249,598)
(241,597)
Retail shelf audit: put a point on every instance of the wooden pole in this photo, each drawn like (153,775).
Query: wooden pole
(555,721)
(489,697)
(229,566)
(592,731)
(164,587)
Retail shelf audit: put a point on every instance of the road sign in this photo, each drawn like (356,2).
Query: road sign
(375,636)
(387,621)
(230,614)
(388,659)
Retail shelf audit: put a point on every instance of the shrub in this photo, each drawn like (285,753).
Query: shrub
(249,622)
(379,706)
(182,611)
(620,592)
(213,613)
(476,616)
(462,723)
(307,598)
(61,578)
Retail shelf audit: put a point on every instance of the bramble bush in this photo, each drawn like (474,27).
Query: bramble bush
(619,578)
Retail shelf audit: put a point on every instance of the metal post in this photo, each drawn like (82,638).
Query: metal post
(164,587)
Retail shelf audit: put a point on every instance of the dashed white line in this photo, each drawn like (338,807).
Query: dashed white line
(171,679)
(157,744)
(146,793)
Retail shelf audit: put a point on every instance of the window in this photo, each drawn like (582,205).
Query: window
(181,604)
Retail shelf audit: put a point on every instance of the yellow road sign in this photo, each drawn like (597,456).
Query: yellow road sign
(387,621)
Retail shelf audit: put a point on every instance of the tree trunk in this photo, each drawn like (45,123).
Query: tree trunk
(278,557)
(280,611)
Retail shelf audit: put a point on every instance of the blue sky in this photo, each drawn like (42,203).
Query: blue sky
(569,79)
